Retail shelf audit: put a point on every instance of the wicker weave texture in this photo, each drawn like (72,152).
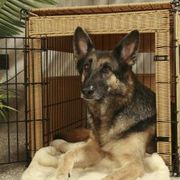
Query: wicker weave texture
(35,127)
(163,93)
(177,31)
(146,21)
(95,9)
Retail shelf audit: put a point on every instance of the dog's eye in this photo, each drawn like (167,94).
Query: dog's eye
(106,69)
(90,60)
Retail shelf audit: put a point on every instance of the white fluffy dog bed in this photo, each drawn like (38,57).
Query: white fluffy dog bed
(45,162)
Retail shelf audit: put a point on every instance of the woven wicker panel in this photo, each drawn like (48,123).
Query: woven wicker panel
(178,27)
(163,71)
(163,98)
(164,147)
(146,21)
(178,75)
(35,131)
(163,129)
(102,8)
(163,39)
(163,93)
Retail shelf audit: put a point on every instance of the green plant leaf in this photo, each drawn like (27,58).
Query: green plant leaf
(2,2)
(10,23)
(7,107)
(4,95)
(2,115)
(11,20)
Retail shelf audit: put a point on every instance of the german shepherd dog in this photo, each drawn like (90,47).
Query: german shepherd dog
(121,110)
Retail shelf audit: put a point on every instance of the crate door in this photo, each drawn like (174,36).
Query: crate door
(54,105)
(63,107)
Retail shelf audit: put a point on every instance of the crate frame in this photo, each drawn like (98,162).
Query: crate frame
(157,18)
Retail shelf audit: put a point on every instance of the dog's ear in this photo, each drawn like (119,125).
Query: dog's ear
(82,43)
(126,50)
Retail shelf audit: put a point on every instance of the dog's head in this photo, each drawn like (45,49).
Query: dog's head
(105,73)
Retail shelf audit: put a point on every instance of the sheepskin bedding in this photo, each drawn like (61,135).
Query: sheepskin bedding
(45,162)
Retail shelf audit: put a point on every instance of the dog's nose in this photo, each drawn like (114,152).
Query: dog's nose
(88,90)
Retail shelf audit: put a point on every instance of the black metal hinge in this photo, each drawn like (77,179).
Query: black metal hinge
(162,139)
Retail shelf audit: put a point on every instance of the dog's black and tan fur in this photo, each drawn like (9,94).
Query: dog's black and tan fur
(121,110)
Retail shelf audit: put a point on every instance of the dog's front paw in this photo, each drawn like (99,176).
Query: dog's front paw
(59,145)
(110,178)
(62,176)
(58,176)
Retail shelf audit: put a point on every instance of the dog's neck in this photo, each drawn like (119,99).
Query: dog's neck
(103,109)
(102,113)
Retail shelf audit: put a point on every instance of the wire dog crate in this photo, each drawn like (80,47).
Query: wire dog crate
(13,126)
(53,90)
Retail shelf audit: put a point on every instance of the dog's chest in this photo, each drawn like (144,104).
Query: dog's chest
(110,122)
(101,119)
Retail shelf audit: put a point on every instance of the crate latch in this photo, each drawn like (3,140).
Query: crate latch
(161,58)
